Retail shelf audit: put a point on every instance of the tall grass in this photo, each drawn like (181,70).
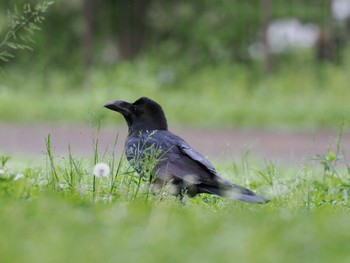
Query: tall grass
(72,175)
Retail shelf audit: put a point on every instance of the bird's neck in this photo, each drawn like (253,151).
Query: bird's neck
(135,132)
(137,127)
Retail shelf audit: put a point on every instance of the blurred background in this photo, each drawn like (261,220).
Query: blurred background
(229,63)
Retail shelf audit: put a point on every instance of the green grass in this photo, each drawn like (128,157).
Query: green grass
(60,212)
(53,229)
(297,95)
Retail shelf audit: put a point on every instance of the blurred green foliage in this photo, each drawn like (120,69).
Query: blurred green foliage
(224,95)
(192,52)
(192,31)
(220,31)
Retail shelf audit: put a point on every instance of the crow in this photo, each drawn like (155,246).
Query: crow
(172,164)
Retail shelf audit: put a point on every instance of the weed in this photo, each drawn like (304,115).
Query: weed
(22,25)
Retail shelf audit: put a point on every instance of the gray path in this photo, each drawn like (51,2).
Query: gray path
(283,147)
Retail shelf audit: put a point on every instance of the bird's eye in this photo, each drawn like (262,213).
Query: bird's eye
(135,109)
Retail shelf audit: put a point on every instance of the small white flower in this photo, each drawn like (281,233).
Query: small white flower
(2,171)
(18,176)
(101,170)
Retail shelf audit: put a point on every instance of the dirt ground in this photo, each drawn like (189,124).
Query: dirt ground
(223,144)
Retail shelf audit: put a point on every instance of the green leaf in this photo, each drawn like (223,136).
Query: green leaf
(12,45)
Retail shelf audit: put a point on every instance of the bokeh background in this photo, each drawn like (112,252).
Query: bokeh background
(230,63)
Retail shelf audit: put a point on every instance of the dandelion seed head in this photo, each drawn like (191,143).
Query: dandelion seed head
(101,170)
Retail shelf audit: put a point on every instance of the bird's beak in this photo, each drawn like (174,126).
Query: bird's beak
(120,106)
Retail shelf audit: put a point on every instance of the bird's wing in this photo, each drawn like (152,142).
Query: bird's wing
(196,156)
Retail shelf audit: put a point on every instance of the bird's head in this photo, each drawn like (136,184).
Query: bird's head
(143,114)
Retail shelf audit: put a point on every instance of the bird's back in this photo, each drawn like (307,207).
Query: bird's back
(174,160)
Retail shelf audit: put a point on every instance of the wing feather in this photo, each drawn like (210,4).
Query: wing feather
(196,156)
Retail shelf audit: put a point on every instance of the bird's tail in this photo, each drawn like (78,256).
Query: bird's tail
(236,192)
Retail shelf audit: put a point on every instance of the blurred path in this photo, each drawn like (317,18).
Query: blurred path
(223,144)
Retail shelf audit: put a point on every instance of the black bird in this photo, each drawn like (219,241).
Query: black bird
(176,166)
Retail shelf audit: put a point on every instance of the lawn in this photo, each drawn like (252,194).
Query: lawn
(56,210)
